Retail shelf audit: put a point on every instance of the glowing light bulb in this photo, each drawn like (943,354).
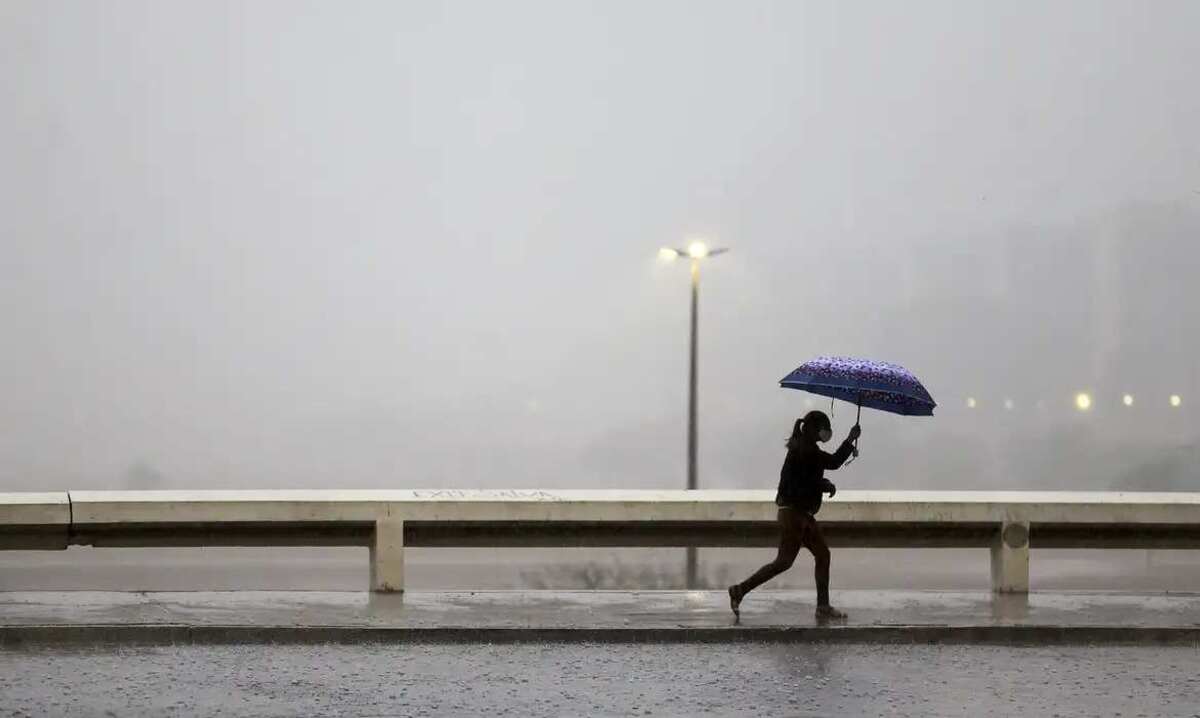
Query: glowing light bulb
(1008,404)
(1127,400)
(1083,401)
(667,254)
(1176,400)
(971,403)
(697,250)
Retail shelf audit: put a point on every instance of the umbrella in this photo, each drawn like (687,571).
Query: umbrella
(873,384)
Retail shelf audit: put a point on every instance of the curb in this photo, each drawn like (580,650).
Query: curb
(14,636)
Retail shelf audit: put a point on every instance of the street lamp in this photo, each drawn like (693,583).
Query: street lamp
(695,251)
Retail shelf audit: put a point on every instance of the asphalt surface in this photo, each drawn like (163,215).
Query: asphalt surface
(607,680)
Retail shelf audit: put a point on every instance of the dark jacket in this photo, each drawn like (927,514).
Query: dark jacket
(802,478)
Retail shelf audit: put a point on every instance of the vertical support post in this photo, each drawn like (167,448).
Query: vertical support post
(1010,558)
(387,556)
(692,479)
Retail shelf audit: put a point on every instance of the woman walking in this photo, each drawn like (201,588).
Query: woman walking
(801,483)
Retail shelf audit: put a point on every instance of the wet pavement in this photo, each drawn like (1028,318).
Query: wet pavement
(576,679)
(604,653)
(597,615)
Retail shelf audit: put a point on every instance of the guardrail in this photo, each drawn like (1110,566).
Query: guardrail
(1008,523)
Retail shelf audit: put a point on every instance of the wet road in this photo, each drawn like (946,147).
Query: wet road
(609,680)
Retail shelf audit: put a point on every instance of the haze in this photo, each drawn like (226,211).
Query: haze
(414,244)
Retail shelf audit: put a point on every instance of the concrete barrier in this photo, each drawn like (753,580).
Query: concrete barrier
(34,520)
(1008,523)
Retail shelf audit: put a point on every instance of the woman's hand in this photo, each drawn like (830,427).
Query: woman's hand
(855,432)
(829,488)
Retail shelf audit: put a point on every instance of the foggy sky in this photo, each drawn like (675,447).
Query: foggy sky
(414,244)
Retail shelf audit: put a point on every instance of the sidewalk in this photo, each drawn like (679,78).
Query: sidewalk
(532,616)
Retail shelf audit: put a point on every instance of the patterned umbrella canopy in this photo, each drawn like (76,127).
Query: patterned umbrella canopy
(873,384)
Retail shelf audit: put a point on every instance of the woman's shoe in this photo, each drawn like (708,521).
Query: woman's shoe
(735,601)
(829,613)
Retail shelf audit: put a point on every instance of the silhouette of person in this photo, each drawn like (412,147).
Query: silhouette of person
(801,483)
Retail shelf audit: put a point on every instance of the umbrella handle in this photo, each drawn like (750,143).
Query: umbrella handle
(857,418)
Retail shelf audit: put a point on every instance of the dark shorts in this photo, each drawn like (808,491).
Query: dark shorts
(796,509)
(796,523)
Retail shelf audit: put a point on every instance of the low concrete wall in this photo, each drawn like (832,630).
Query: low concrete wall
(1006,522)
(34,520)
(435,505)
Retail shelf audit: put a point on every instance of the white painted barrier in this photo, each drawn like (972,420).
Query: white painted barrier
(1009,523)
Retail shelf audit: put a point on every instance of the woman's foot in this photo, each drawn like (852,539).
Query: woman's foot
(735,601)
(829,613)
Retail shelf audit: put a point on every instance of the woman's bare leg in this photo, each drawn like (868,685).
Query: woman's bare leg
(791,538)
(814,540)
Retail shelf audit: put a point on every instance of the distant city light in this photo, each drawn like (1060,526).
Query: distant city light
(1176,400)
(1008,404)
(971,403)
(1083,401)
(697,250)
(667,254)
(1127,400)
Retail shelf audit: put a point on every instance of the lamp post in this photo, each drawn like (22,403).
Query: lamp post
(695,251)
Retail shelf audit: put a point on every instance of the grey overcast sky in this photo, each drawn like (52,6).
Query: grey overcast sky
(380,244)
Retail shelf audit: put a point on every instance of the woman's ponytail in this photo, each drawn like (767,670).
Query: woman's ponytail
(793,441)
